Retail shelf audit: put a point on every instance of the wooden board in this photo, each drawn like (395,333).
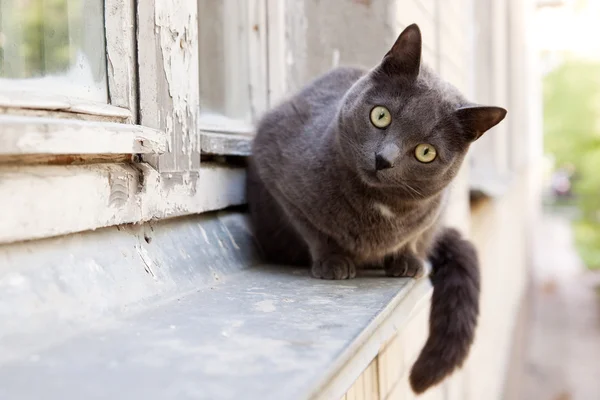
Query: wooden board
(44,201)
(32,135)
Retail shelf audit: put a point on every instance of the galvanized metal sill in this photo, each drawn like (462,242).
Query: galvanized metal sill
(182,309)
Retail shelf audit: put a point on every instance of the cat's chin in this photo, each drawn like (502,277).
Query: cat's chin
(377,180)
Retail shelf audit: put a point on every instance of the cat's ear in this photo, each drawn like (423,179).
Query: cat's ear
(404,58)
(476,120)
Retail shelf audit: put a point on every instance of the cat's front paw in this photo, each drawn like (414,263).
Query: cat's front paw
(334,267)
(404,266)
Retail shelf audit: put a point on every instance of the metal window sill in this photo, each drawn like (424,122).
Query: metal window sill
(181,309)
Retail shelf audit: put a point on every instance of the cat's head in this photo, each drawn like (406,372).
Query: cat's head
(402,127)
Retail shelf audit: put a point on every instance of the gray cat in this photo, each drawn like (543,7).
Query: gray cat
(353,172)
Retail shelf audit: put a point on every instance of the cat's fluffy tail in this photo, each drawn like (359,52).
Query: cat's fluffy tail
(454,310)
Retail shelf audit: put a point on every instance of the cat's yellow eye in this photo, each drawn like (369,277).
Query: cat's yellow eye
(425,153)
(381,117)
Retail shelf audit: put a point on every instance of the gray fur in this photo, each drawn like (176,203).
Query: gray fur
(315,156)
(317,194)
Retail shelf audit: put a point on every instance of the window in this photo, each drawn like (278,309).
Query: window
(54,46)
(68,107)
(118,111)
(232,48)
(235,48)
(71,56)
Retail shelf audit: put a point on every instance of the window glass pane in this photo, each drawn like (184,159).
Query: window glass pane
(225,70)
(53,46)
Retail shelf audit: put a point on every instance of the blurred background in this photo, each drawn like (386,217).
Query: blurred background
(564,341)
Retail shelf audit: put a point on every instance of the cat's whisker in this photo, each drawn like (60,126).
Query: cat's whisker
(413,190)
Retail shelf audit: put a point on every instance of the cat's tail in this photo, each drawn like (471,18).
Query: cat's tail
(454,310)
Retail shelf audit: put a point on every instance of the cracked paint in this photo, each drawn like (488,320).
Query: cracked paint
(176,27)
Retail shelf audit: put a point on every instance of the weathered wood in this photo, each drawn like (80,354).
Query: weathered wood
(226,144)
(258,57)
(12,99)
(212,187)
(55,200)
(79,198)
(370,379)
(169,79)
(276,42)
(355,359)
(30,112)
(390,365)
(64,159)
(119,17)
(27,135)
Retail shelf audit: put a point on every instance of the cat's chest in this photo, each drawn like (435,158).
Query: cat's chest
(374,228)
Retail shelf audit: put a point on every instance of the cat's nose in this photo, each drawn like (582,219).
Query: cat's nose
(381,162)
(385,157)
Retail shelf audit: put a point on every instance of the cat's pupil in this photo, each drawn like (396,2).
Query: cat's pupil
(381,115)
(426,151)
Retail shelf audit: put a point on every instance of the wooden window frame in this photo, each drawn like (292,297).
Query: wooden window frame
(52,118)
(119,20)
(68,165)
(267,80)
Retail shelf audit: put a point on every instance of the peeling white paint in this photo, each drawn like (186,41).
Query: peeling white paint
(88,207)
(14,101)
(177,29)
(23,135)
(169,130)
(120,54)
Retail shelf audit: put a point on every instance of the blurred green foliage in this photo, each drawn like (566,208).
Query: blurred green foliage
(36,36)
(572,136)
